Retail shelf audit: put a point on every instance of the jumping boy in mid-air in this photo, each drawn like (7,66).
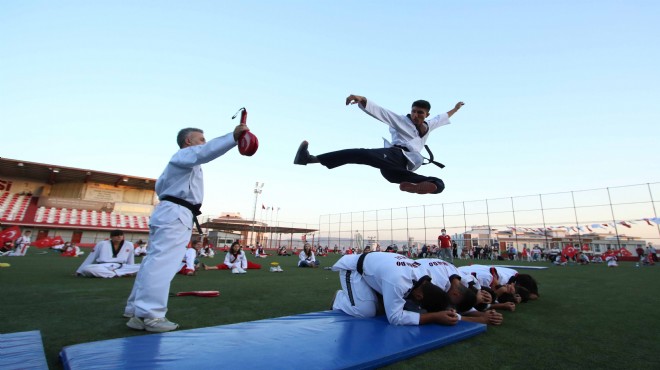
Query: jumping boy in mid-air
(398,159)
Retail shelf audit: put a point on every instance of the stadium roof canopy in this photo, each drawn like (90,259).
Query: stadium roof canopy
(53,174)
(237,224)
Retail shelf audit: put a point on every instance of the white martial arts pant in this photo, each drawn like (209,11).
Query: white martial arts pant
(355,298)
(16,252)
(168,238)
(109,270)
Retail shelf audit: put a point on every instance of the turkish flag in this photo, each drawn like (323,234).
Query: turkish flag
(10,234)
(624,252)
(46,242)
(568,250)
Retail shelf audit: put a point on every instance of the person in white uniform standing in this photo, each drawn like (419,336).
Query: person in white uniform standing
(180,189)
(110,258)
(398,159)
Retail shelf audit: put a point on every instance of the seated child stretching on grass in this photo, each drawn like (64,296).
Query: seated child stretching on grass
(307,258)
(235,261)
(110,258)
(190,262)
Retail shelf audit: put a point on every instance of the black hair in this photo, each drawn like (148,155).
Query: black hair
(183,135)
(468,301)
(506,297)
(528,282)
(484,306)
(435,299)
(116,233)
(422,104)
(523,293)
(493,296)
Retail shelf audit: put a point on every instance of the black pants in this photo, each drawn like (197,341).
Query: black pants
(391,162)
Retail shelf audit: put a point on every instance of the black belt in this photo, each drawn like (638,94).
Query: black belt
(194,208)
(360,264)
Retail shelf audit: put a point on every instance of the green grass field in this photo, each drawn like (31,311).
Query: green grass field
(588,316)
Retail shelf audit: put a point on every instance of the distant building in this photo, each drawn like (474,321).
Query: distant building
(545,239)
(79,205)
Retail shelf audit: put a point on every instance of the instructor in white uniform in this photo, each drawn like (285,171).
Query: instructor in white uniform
(180,189)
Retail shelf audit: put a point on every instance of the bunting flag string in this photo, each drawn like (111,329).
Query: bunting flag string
(649,221)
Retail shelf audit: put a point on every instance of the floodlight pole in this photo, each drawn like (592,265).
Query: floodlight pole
(258,188)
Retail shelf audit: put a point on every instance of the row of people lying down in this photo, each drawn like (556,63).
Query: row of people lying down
(429,290)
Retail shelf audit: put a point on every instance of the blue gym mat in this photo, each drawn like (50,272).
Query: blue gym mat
(318,340)
(22,350)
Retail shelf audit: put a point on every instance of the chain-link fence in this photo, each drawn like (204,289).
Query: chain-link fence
(615,217)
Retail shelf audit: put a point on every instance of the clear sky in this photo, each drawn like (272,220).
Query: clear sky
(560,95)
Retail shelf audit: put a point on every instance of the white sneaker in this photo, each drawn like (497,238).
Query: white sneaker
(135,323)
(279,269)
(242,271)
(273,269)
(159,325)
(235,270)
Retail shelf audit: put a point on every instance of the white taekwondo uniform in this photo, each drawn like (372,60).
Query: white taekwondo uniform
(188,259)
(389,274)
(441,271)
(103,262)
(484,274)
(404,133)
(22,244)
(171,225)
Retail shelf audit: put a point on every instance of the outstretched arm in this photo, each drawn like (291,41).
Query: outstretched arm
(451,112)
(448,317)
(356,99)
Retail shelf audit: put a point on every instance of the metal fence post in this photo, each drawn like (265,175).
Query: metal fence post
(616,229)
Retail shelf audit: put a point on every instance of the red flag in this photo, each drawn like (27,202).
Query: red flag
(648,222)
(624,252)
(624,223)
(263,206)
(46,242)
(588,228)
(568,250)
(10,234)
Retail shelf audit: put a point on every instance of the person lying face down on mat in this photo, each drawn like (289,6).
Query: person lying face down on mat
(505,282)
(464,297)
(398,160)
(369,277)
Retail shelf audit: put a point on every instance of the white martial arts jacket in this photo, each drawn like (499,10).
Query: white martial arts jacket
(485,276)
(182,177)
(440,271)
(22,240)
(305,258)
(393,276)
(404,132)
(189,259)
(238,261)
(102,253)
